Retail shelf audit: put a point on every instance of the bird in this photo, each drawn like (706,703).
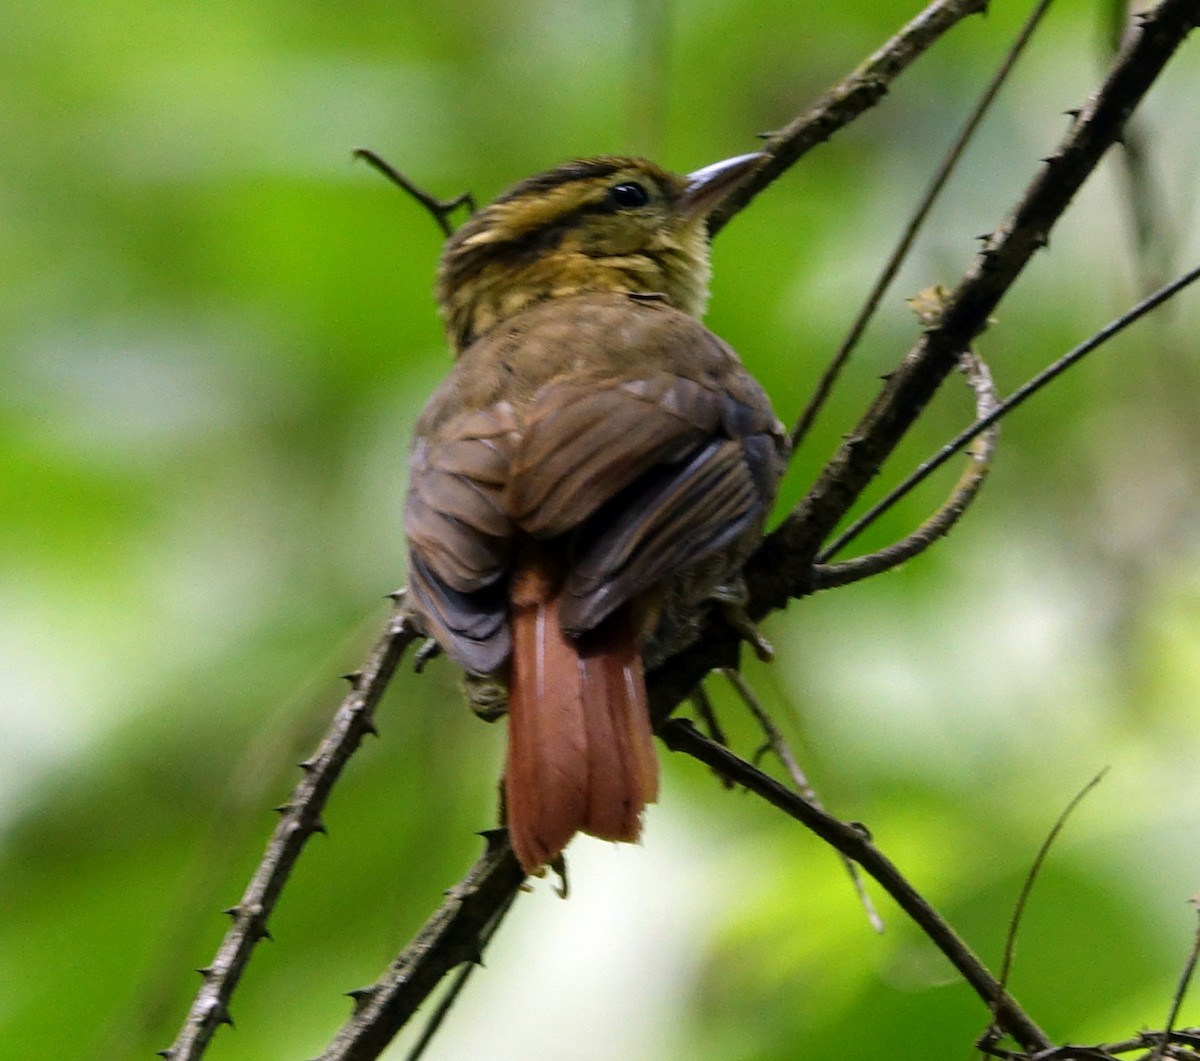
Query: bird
(596,465)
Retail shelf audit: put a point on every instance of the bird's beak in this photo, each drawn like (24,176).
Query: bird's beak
(705,188)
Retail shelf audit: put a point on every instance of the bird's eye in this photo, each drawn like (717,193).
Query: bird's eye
(629,195)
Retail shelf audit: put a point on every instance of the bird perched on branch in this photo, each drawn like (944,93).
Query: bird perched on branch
(595,466)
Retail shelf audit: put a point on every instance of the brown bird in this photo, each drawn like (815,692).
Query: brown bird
(596,464)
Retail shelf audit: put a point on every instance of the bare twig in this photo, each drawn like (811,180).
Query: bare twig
(849,98)
(986,422)
(1014,924)
(853,842)
(460,981)
(783,752)
(299,819)
(1185,979)
(782,567)
(454,934)
(826,576)
(439,209)
(892,266)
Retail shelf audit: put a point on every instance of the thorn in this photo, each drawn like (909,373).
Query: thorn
(265,933)
(1073,113)
(361,996)
(168,1053)
(318,826)
(354,677)
(217,1013)
(233,911)
(425,653)
(862,830)
(307,765)
(368,727)
(396,595)
(763,136)
(493,838)
(283,808)
(206,972)
(559,865)
(475,955)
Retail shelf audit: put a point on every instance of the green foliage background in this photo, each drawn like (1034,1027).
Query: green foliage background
(216,331)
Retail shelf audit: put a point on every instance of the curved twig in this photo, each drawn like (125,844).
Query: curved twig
(1027,390)
(826,576)
(1014,924)
(782,567)
(299,819)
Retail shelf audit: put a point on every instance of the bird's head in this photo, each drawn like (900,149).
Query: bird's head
(597,224)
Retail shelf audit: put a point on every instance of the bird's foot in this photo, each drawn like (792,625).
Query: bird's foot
(732,598)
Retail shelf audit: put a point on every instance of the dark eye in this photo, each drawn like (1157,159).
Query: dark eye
(629,195)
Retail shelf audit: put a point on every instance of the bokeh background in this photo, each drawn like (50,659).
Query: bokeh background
(216,330)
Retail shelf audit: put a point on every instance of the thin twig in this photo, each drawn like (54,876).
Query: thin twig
(782,567)
(783,752)
(1185,979)
(1018,397)
(892,266)
(1014,924)
(708,718)
(850,97)
(439,209)
(299,819)
(826,576)
(853,842)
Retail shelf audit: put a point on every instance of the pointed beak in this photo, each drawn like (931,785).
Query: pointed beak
(705,188)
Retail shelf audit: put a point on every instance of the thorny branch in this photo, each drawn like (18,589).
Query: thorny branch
(780,570)
(299,819)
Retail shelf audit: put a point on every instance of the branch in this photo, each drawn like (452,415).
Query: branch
(299,819)
(990,1036)
(439,209)
(850,97)
(788,551)
(826,576)
(936,184)
(989,419)
(853,842)
(451,936)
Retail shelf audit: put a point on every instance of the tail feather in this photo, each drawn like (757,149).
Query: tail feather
(580,749)
(545,797)
(622,765)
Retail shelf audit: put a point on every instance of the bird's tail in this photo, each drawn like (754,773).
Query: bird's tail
(580,750)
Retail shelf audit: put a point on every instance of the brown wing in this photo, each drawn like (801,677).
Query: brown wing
(645,460)
(585,441)
(459,536)
(681,511)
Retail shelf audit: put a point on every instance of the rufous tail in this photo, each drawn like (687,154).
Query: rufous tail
(581,753)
